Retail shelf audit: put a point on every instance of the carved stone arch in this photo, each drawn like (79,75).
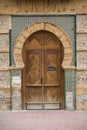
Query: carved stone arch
(22,37)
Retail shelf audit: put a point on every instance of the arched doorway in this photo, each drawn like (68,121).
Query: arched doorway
(43,77)
(19,58)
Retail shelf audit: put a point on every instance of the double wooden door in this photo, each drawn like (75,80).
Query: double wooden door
(43,74)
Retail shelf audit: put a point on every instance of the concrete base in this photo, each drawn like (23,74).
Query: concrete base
(43,120)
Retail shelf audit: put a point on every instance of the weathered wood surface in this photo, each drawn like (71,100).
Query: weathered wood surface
(43,88)
(43,6)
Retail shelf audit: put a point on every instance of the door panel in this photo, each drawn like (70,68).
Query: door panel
(51,94)
(51,67)
(33,65)
(52,84)
(43,86)
(34,94)
(52,97)
(33,79)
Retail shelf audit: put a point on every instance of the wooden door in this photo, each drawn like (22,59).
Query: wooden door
(43,74)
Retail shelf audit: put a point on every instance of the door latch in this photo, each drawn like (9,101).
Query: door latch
(41,80)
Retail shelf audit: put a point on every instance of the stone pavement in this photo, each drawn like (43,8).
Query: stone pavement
(43,120)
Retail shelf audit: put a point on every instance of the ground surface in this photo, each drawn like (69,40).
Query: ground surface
(43,120)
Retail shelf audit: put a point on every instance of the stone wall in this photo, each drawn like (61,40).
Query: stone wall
(5,25)
(5,22)
(4,41)
(69,88)
(81,23)
(6,76)
(10,81)
(4,79)
(69,101)
(4,99)
(81,40)
(4,60)
(16,90)
(81,87)
(4,90)
(82,59)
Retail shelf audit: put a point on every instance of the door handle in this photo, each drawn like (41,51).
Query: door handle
(41,80)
